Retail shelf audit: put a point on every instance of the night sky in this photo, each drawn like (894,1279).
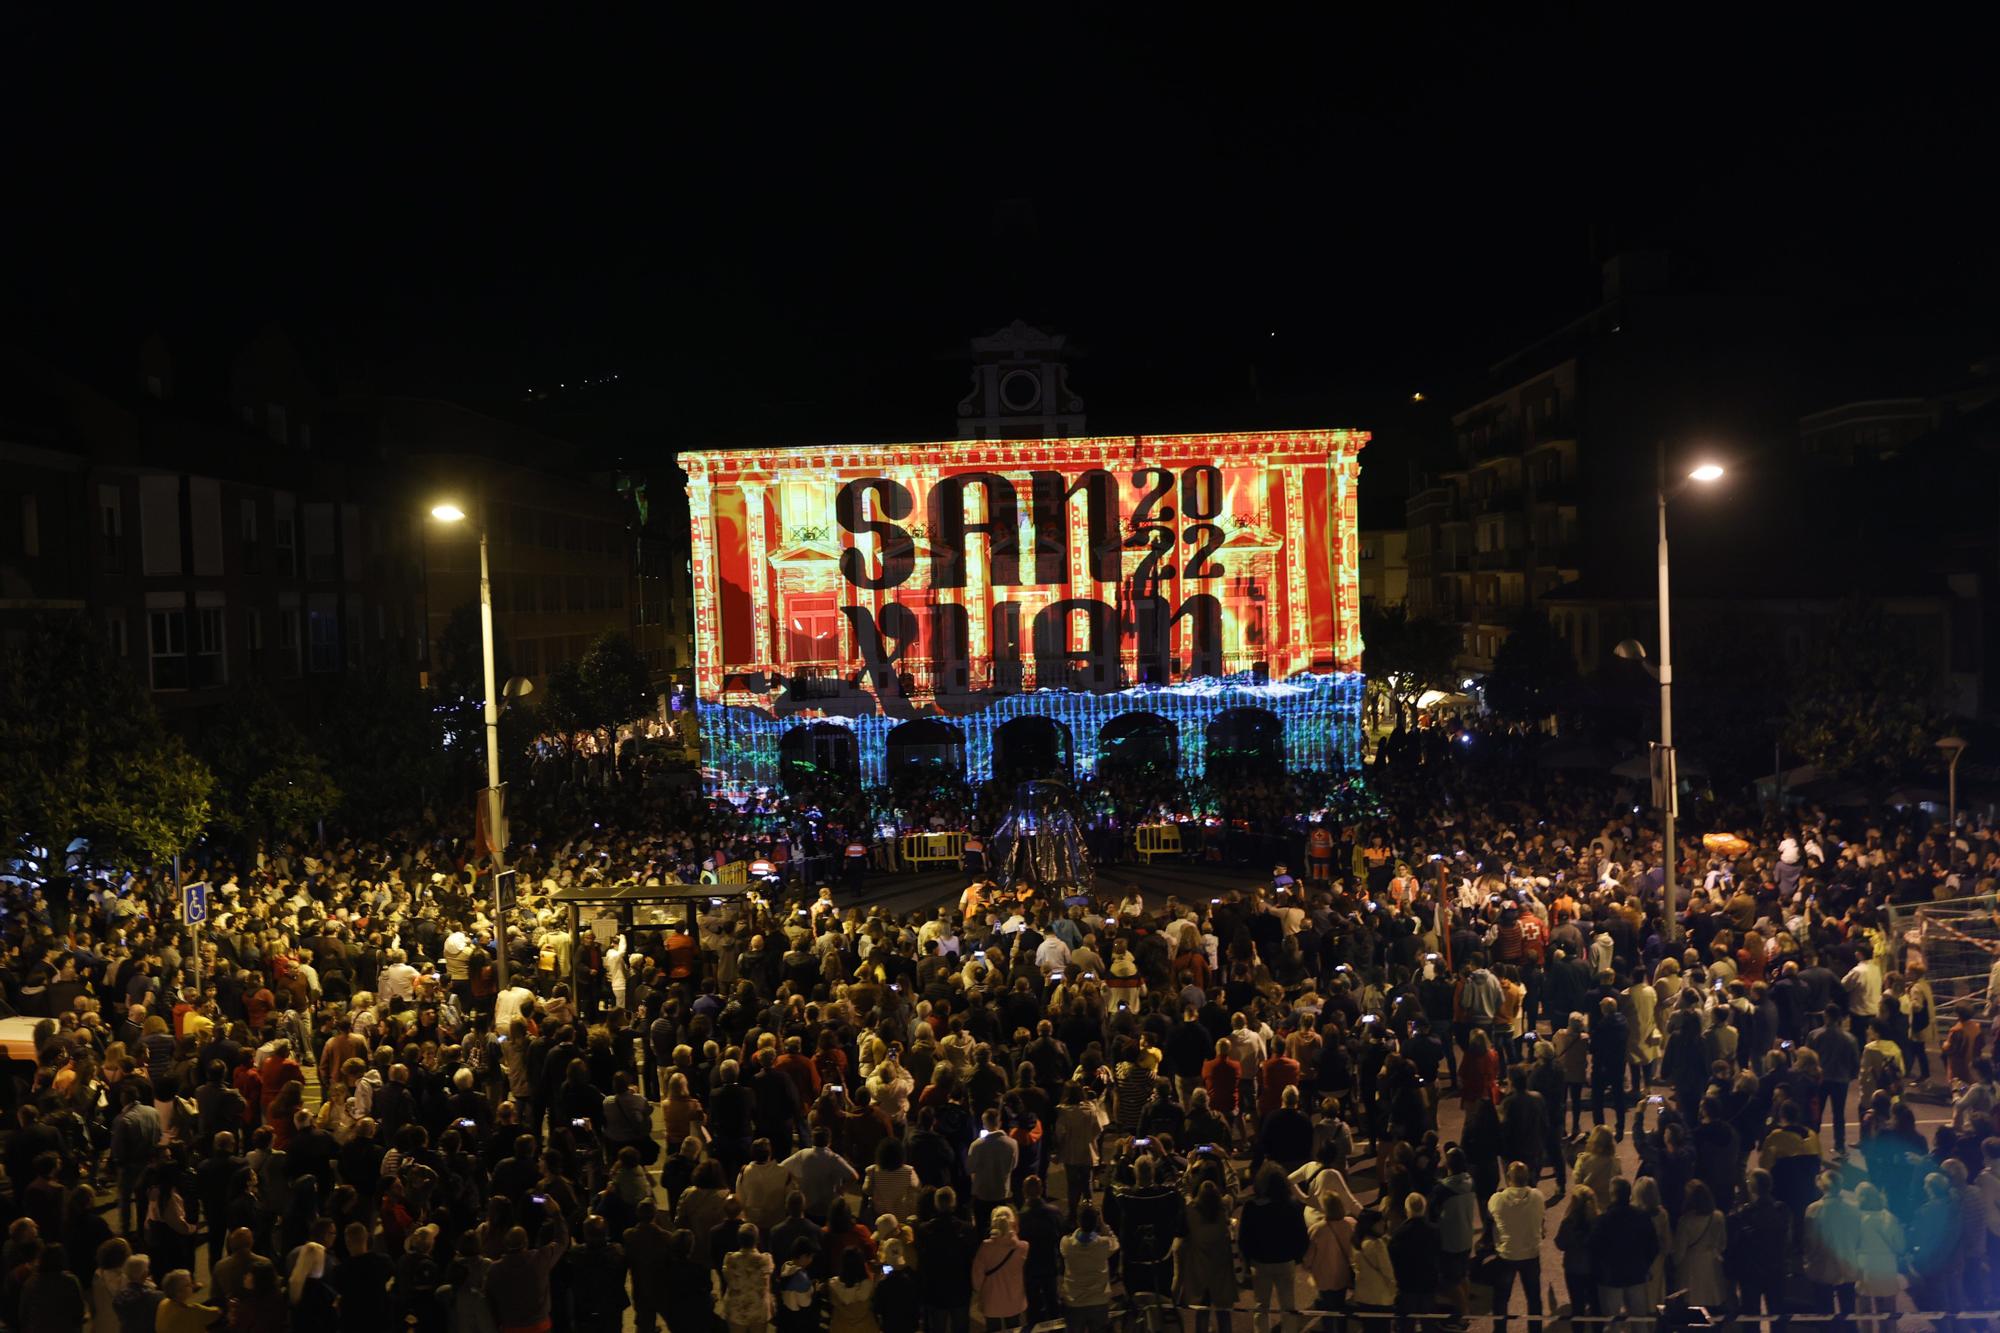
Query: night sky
(788,230)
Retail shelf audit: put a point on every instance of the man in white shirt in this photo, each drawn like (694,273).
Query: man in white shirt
(1052,955)
(1518,1212)
(615,971)
(399,979)
(822,1174)
(933,930)
(509,1004)
(1863,984)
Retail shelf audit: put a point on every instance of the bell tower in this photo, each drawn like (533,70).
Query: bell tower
(1020,388)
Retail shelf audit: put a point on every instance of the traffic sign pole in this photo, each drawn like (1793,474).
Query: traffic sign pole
(194,912)
(194,938)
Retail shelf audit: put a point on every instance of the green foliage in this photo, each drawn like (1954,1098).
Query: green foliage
(604,689)
(87,756)
(383,746)
(564,709)
(1404,657)
(459,684)
(616,680)
(1864,700)
(269,779)
(460,666)
(1534,674)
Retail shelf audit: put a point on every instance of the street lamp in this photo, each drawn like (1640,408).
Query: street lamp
(1952,747)
(1705,474)
(447,512)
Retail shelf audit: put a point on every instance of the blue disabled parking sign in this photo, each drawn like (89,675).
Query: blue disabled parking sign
(194,902)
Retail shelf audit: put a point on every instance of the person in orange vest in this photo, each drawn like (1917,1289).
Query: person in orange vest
(856,858)
(1319,852)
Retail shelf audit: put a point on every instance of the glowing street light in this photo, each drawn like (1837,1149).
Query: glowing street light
(1706,474)
(445,511)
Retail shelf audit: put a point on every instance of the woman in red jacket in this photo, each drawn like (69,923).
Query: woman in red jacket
(1220,1077)
(1478,1071)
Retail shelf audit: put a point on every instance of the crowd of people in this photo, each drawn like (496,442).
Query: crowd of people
(1370,1083)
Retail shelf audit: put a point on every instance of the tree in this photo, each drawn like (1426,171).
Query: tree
(599,692)
(87,755)
(1864,701)
(461,667)
(459,686)
(1407,655)
(616,681)
(383,744)
(1533,675)
(564,709)
(269,780)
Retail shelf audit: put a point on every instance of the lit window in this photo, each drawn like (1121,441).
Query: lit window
(813,634)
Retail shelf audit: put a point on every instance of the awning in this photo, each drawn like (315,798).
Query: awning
(1432,698)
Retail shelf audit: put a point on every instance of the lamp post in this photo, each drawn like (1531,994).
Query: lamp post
(1706,474)
(1952,747)
(490,708)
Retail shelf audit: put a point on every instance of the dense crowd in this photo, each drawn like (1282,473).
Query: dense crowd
(1372,1081)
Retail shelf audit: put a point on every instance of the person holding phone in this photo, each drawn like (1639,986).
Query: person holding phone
(517,1285)
(1086,1278)
(895,1303)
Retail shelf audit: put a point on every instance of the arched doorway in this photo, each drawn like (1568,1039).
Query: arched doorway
(1138,745)
(925,746)
(816,753)
(1028,748)
(1245,742)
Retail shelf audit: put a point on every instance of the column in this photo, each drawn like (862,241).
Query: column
(760,568)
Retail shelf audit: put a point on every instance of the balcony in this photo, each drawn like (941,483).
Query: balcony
(1498,442)
(1558,427)
(1439,504)
(1499,502)
(1490,560)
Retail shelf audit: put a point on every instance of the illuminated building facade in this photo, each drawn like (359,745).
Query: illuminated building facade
(964,586)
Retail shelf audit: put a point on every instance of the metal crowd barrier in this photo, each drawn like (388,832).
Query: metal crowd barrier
(1690,1317)
(926,849)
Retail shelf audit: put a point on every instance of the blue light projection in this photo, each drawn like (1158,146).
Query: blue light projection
(1321,715)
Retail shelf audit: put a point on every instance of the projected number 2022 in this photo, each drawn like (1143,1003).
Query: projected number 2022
(1152,522)
(1166,512)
